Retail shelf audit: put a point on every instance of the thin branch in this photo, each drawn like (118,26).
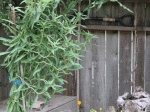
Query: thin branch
(28,85)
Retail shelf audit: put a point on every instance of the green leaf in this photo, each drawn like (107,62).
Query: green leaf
(10,29)
(20,105)
(11,107)
(20,87)
(19,9)
(3,53)
(125,7)
(34,101)
(29,100)
(4,39)
(15,49)
(12,90)
(38,70)
(45,102)
(8,21)
(17,104)
(18,59)
(29,59)
(60,90)
(14,78)
(48,95)
(44,89)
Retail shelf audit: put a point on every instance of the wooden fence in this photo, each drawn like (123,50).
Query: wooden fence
(107,67)
(5,86)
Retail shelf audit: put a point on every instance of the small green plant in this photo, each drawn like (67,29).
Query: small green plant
(93,110)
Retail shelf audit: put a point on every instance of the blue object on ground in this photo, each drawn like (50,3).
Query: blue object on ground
(17,82)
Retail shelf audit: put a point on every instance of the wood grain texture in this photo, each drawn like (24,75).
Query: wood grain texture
(140,1)
(125,62)
(58,103)
(141,14)
(115,12)
(121,28)
(100,13)
(92,74)
(147,15)
(111,68)
(81,76)
(107,8)
(99,71)
(85,78)
(66,93)
(4,76)
(123,11)
(147,63)
(139,72)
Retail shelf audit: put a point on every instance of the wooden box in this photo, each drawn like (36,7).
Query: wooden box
(58,103)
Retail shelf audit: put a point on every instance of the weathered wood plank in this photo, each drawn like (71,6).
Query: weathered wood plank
(57,103)
(4,76)
(140,14)
(98,13)
(81,71)
(104,11)
(91,70)
(99,71)
(108,12)
(125,62)
(147,15)
(121,28)
(70,84)
(139,72)
(132,60)
(115,12)
(147,63)
(123,11)
(85,78)
(111,68)
(66,85)
(140,1)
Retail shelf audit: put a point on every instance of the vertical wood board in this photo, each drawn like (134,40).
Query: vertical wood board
(4,76)
(85,78)
(141,14)
(108,12)
(99,71)
(115,12)
(147,61)
(111,68)
(125,62)
(147,15)
(139,72)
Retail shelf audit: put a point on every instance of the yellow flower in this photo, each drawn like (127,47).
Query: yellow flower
(112,107)
(95,111)
(79,102)
(100,109)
